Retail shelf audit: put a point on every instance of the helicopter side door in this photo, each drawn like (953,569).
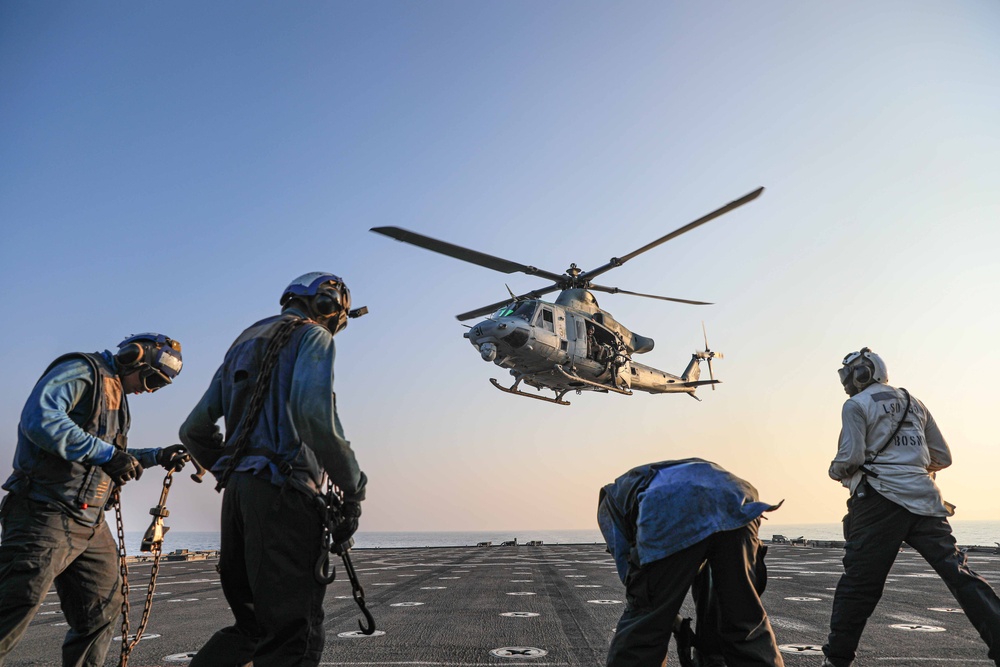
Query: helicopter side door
(562,332)
(546,332)
(576,335)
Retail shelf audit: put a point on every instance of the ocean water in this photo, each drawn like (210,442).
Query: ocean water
(967,533)
(982,533)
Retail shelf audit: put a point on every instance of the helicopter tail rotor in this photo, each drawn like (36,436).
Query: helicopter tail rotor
(708,354)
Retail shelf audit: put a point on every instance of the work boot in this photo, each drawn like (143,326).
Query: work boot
(829,663)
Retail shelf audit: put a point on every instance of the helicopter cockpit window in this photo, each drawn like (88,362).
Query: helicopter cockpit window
(524,310)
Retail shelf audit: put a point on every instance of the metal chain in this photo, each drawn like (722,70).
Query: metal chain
(122,566)
(274,347)
(156,549)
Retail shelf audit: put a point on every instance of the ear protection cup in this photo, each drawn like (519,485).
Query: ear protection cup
(862,375)
(130,356)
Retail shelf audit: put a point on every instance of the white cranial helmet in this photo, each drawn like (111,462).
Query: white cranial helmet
(861,369)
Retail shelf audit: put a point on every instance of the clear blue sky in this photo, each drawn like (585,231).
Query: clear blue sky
(171,166)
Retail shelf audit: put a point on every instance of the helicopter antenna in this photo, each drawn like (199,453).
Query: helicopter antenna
(509,291)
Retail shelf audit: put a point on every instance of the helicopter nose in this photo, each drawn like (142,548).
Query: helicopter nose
(487,330)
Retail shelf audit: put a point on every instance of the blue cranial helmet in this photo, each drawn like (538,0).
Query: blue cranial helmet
(156,357)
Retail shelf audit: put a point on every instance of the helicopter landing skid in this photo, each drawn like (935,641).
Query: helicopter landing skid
(514,390)
(603,387)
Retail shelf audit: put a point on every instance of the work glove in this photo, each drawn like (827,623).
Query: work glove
(122,467)
(173,457)
(350,512)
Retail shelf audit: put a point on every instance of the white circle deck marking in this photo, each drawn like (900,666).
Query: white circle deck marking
(587,586)
(803,599)
(949,610)
(357,634)
(521,593)
(425,588)
(518,652)
(576,576)
(519,614)
(132,637)
(779,577)
(915,627)
(442,578)
(406,604)
(180,657)
(183,600)
(522,581)
(801,649)
(604,601)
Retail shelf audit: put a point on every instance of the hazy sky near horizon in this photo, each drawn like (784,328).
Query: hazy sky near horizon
(172,166)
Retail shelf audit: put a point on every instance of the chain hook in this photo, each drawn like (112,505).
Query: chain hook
(329,506)
(357,591)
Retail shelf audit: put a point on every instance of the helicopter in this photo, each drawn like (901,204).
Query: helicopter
(571,344)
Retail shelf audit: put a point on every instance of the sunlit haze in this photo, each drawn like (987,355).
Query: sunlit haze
(172,166)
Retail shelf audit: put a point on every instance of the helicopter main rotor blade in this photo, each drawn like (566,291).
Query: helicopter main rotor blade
(618,261)
(616,290)
(486,310)
(464,254)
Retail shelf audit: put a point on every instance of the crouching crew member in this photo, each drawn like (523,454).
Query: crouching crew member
(662,522)
(890,449)
(283,438)
(71,454)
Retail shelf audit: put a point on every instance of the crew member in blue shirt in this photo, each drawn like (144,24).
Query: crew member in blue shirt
(283,440)
(662,523)
(71,455)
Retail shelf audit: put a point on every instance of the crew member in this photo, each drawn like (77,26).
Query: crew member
(71,455)
(274,390)
(890,449)
(662,522)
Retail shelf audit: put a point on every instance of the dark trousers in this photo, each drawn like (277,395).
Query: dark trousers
(271,539)
(657,590)
(41,545)
(875,527)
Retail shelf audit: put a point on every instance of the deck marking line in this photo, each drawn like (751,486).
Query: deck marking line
(922,659)
(447,664)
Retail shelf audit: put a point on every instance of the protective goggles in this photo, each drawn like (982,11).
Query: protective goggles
(849,362)
(153,379)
